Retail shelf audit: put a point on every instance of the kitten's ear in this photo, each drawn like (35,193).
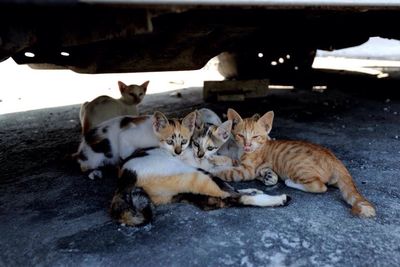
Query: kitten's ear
(144,85)
(223,131)
(159,121)
(122,86)
(234,117)
(189,121)
(266,121)
(199,123)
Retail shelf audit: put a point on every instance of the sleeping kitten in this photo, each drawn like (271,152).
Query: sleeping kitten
(104,107)
(117,138)
(156,176)
(302,165)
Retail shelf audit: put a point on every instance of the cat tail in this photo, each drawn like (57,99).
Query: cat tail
(360,205)
(131,205)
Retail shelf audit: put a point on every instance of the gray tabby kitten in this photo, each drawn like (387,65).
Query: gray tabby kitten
(208,137)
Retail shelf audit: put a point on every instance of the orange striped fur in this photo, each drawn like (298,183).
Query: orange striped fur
(302,165)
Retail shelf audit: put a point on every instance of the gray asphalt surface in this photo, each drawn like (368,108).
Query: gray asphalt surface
(52,215)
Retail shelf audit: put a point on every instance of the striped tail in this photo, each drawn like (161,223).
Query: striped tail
(360,205)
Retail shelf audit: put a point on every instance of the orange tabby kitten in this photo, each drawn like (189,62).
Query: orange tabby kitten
(304,166)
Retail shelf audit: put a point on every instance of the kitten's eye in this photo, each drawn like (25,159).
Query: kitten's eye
(209,148)
(256,136)
(195,144)
(170,142)
(240,135)
(184,141)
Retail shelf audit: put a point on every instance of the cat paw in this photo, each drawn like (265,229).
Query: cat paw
(268,177)
(250,191)
(96,174)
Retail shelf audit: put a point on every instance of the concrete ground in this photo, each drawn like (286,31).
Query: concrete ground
(52,215)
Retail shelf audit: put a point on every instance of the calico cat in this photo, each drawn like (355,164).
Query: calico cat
(104,107)
(117,138)
(302,165)
(156,176)
(173,134)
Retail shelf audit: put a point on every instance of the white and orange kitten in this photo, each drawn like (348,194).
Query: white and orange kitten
(104,107)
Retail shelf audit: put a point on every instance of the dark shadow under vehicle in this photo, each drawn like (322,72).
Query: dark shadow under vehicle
(138,36)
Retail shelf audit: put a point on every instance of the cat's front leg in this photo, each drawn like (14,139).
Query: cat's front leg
(266,175)
(218,160)
(243,172)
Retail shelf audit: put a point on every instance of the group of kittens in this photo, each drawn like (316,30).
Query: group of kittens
(163,160)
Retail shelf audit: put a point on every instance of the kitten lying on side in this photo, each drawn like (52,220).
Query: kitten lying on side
(304,166)
(104,107)
(117,138)
(156,176)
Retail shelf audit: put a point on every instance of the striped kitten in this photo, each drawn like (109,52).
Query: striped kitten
(206,141)
(304,166)
(155,176)
(117,138)
(205,118)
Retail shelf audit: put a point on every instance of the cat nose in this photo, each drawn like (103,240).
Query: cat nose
(178,150)
(200,154)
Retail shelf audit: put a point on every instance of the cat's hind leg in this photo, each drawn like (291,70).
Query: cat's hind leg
(264,200)
(250,191)
(247,198)
(203,183)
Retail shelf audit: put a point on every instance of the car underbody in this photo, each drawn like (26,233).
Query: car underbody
(105,37)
